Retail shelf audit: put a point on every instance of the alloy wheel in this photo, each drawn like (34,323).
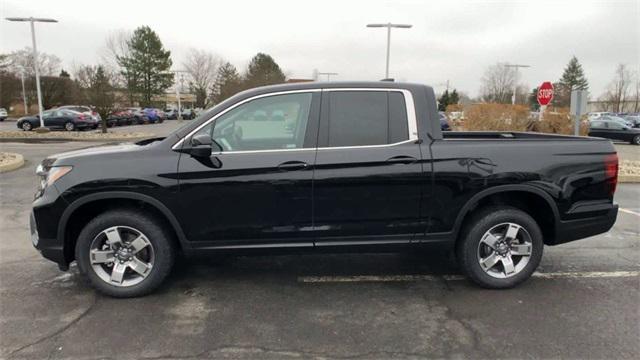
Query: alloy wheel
(504,250)
(121,256)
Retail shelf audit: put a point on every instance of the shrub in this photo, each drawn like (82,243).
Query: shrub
(502,117)
(497,117)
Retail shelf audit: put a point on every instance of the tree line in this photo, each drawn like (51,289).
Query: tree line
(134,68)
(622,94)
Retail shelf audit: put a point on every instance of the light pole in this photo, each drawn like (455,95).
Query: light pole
(181,74)
(389,26)
(515,80)
(32,20)
(328,74)
(24,94)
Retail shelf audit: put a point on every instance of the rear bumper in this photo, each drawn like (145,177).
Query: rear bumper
(581,228)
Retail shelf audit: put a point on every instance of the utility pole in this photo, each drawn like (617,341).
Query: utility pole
(389,26)
(24,93)
(33,20)
(446,83)
(515,80)
(328,74)
(176,74)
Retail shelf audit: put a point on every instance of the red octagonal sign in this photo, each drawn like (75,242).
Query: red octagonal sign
(545,93)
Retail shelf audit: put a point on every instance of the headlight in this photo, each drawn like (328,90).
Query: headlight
(56,173)
(49,175)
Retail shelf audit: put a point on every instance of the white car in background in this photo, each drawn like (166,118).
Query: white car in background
(3,114)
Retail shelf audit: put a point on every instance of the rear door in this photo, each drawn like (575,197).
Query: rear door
(368,173)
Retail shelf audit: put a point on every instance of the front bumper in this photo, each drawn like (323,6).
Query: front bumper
(50,249)
(589,226)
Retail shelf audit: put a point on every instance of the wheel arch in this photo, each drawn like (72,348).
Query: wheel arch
(69,226)
(535,202)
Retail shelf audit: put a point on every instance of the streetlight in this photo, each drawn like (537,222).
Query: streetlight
(328,74)
(515,81)
(389,26)
(31,20)
(181,74)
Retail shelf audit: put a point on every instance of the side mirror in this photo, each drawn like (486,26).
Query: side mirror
(200,140)
(201,146)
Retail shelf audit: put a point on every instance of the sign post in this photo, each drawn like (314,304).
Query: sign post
(578,107)
(545,95)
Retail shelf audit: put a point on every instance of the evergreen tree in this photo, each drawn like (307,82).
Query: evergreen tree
(227,84)
(573,78)
(454,98)
(263,70)
(447,99)
(146,66)
(443,101)
(533,100)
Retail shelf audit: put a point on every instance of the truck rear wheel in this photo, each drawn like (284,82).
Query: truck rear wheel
(124,253)
(500,247)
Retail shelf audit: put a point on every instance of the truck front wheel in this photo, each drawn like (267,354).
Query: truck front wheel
(124,253)
(500,247)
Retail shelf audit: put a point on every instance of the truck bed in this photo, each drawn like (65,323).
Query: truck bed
(496,135)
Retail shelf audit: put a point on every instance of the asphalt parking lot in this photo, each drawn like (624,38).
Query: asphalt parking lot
(584,303)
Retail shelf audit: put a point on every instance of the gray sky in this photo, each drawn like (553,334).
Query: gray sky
(454,40)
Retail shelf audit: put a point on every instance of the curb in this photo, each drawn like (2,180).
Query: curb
(15,164)
(629,178)
(65,139)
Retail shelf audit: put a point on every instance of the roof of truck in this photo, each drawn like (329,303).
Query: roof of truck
(335,84)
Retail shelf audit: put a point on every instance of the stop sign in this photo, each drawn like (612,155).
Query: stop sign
(545,93)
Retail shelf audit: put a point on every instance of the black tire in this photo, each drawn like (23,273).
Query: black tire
(159,238)
(26,126)
(70,126)
(467,248)
(635,140)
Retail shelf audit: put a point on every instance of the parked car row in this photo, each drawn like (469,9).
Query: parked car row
(187,114)
(78,117)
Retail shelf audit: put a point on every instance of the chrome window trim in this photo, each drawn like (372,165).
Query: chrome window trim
(408,99)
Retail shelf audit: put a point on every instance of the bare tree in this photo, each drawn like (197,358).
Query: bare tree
(22,60)
(497,84)
(202,67)
(618,92)
(116,44)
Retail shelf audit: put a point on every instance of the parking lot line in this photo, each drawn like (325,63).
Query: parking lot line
(629,211)
(418,277)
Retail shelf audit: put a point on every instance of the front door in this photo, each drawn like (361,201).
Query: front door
(368,177)
(258,189)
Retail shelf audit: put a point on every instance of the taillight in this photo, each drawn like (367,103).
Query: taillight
(611,172)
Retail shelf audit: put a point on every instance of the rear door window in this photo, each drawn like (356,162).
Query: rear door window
(361,118)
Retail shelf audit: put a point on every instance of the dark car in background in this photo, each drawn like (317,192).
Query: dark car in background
(87,110)
(614,130)
(120,117)
(58,119)
(634,119)
(138,114)
(444,122)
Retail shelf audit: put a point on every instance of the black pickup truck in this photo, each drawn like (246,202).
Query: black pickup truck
(362,166)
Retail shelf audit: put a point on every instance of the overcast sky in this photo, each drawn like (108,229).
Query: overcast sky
(450,40)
